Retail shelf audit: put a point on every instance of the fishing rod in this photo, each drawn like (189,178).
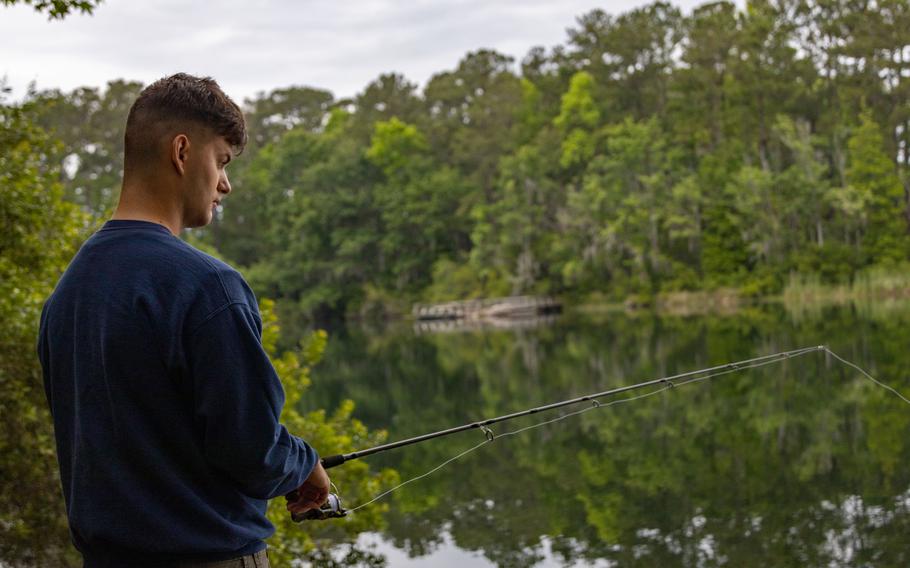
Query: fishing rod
(333,507)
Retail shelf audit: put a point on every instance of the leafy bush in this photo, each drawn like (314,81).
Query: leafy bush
(330,433)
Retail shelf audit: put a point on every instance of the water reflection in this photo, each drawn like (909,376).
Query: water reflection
(801,463)
(796,463)
(485,324)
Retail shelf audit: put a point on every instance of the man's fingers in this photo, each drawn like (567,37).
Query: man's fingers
(315,497)
(298,508)
(312,494)
(304,506)
(308,498)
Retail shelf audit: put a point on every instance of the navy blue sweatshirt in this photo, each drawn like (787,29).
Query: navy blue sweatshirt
(165,405)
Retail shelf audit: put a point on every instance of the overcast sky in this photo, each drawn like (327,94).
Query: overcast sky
(258,45)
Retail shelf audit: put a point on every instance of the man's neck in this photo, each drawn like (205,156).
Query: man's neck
(138,205)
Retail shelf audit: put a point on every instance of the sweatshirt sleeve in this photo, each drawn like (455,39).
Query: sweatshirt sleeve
(238,399)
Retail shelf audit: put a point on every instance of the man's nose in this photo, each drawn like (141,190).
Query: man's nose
(224,186)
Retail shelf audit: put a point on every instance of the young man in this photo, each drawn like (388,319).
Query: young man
(165,405)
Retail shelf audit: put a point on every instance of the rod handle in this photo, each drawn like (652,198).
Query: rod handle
(332,461)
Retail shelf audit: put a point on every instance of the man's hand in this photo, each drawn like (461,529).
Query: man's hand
(313,493)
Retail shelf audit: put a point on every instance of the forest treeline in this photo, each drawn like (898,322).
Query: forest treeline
(654,151)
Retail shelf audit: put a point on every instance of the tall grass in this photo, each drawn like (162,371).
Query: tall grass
(877,289)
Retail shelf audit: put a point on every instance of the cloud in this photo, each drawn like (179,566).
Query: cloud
(258,45)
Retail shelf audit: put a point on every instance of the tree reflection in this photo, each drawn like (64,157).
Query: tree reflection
(794,463)
(798,463)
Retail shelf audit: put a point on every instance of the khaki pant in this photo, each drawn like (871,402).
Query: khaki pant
(258,560)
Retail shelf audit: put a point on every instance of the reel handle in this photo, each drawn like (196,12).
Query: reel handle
(332,509)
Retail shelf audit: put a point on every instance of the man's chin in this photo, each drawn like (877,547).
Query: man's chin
(200,221)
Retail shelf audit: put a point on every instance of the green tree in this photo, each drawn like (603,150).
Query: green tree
(514,238)
(699,102)
(724,253)
(470,116)
(389,96)
(91,124)
(872,175)
(630,56)
(330,434)
(617,211)
(416,200)
(317,238)
(768,77)
(270,116)
(578,118)
(40,234)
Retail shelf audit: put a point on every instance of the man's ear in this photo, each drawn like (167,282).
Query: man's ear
(180,148)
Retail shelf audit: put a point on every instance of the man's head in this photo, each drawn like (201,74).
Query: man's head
(180,134)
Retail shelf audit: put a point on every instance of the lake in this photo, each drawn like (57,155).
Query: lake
(802,462)
(798,463)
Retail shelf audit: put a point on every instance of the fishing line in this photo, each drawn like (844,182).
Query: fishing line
(867,375)
(666,384)
(488,439)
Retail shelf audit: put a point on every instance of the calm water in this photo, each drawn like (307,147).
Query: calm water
(801,463)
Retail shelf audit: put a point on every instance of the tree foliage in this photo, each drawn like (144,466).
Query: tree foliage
(331,433)
(654,151)
(40,233)
(58,9)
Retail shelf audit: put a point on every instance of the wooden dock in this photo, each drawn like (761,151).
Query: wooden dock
(513,307)
(437,326)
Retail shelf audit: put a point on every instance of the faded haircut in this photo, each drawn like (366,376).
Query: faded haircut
(174,103)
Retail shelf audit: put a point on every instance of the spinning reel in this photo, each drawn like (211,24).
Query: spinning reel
(331,509)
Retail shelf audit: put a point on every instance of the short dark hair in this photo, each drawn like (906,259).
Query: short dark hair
(171,102)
